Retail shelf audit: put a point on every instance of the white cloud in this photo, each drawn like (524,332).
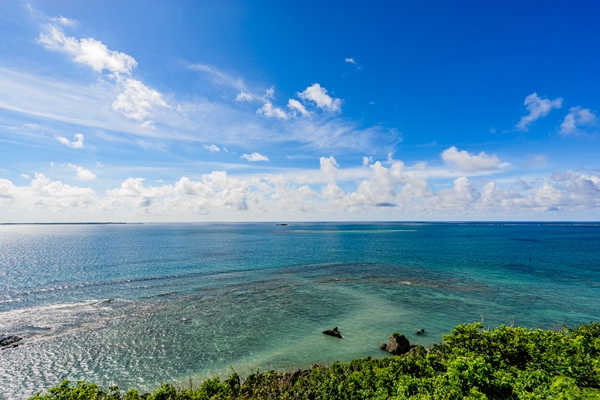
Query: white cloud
(576,120)
(243,96)
(77,143)
(325,132)
(37,96)
(461,196)
(82,173)
(45,187)
(53,199)
(8,190)
(255,157)
(295,105)
(212,148)
(215,192)
(350,60)
(467,162)
(24,176)
(367,160)
(538,107)
(133,187)
(137,100)
(90,52)
(393,187)
(319,96)
(382,191)
(269,111)
(329,167)
(62,101)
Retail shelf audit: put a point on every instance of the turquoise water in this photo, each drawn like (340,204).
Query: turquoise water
(139,304)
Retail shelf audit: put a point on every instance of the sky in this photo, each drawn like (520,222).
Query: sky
(193,111)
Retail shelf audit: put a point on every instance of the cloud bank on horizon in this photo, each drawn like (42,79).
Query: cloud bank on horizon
(194,115)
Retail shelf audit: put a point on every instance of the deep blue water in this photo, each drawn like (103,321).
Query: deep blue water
(140,304)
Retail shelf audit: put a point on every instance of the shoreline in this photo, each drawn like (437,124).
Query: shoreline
(491,362)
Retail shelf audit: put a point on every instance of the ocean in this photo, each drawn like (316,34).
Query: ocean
(139,304)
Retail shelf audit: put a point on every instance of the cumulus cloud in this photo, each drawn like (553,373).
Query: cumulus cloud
(268,110)
(255,157)
(82,173)
(388,187)
(77,143)
(7,189)
(538,107)
(137,100)
(102,105)
(577,120)
(45,195)
(370,194)
(212,148)
(467,162)
(319,96)
(134,187)
(462,194)
(90,52)
(296,106)
(384,190)
(213,192)
(349,60)
(329,167)
(46,188)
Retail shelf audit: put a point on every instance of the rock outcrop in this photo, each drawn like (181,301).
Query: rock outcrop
(333,332)
(10,340)
(398,344)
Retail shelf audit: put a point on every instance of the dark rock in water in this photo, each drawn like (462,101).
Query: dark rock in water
(383,346)
(420,331)
(5,341)
(398,344)
(333,332)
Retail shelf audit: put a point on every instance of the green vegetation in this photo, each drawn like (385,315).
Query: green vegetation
(471,363)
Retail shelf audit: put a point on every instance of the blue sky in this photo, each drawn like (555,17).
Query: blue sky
(287,111)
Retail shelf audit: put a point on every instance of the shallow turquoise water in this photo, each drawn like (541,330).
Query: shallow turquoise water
(140,304)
